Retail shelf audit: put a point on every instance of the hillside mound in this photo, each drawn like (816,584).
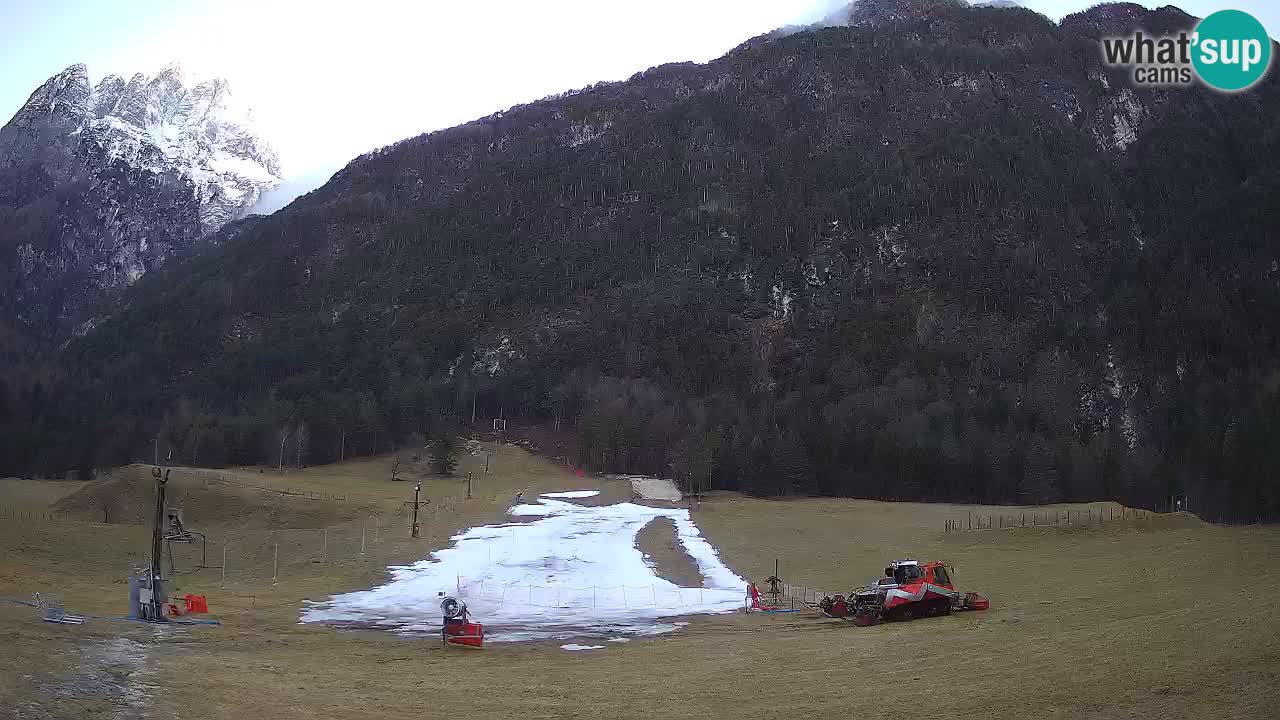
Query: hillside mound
(1169,521)
(128,494)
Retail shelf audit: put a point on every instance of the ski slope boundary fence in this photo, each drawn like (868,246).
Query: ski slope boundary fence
(1073,517)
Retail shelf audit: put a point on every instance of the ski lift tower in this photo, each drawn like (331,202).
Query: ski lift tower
(156,598)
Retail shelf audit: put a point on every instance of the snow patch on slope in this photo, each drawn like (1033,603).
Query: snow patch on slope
(568,494)
(574,572)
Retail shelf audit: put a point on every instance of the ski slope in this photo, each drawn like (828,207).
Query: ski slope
(566,571)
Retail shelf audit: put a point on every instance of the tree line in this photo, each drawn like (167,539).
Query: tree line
(823,264)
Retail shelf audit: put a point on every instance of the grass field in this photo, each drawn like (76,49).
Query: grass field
(34,495)
(1165,617)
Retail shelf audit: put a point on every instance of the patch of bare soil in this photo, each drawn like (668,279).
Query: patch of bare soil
(663,550)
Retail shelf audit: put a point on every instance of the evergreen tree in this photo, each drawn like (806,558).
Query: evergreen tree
(444,453)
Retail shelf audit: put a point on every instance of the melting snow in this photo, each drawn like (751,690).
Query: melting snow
(571,647)
(574,572)
(530,510)
(781,302)
(571,494)
(224,163)
(1126,119)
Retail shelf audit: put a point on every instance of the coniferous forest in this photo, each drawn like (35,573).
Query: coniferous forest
(949,258)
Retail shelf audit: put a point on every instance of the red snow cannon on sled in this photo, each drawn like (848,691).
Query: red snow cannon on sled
(909,590)
(458,628)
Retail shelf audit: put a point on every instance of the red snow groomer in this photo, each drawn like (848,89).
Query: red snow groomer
(908,590)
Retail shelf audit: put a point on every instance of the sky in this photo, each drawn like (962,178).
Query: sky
(328,82)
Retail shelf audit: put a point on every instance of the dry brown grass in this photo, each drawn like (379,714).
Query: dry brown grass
(1131,619)
(38,495)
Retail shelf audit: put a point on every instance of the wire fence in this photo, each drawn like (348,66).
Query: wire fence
(226,477)
(368,546)
(291,554)
(615,597)
(17,514)
(364,548)
(1071,517)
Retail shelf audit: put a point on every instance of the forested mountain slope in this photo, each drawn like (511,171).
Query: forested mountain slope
(940,253)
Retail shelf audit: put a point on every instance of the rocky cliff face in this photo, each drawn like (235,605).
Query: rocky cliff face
(100,184)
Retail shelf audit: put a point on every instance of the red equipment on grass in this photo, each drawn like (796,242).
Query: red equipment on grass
(458,628)
(909,590)
(757,602)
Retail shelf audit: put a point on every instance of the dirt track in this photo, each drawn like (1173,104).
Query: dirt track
(1131,619)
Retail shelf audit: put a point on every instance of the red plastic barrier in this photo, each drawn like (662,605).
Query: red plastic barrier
(196,603)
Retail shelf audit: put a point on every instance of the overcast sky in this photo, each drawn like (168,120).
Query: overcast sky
(328,83)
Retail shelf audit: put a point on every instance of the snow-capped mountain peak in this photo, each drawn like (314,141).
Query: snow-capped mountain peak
(160,124)
(128,174)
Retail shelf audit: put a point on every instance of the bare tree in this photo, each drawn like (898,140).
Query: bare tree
(300,435)
(415,444)
(282,435)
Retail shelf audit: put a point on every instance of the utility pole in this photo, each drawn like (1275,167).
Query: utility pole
(468,486)
(417,488)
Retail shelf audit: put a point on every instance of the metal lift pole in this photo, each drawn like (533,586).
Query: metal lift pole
(157,546)
(416,489)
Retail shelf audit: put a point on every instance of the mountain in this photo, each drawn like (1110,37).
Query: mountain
(941,253)
(101,184)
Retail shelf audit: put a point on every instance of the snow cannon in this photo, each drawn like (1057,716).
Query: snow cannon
(908,590)
(458,628)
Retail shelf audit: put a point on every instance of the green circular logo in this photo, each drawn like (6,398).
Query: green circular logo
(1231,50)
